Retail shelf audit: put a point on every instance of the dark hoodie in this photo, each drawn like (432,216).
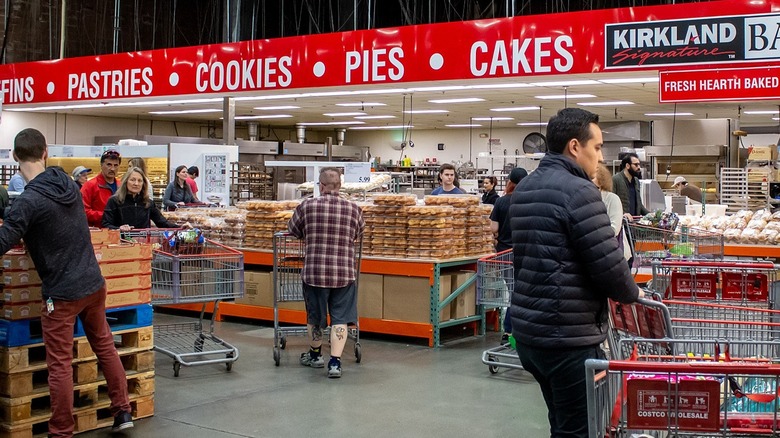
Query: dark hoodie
(50,216)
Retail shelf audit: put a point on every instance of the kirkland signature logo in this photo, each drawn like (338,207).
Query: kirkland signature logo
(707,40)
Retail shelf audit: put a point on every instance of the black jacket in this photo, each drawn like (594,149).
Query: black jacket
(50,216)
(490,197)
(133,212)
(567,260)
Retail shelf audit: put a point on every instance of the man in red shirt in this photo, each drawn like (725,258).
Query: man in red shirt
(95,192)
(194,172)
(329,225)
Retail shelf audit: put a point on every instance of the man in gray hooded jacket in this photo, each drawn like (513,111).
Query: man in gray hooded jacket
(50,216)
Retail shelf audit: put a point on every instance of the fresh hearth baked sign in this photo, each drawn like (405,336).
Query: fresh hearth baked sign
(729,33)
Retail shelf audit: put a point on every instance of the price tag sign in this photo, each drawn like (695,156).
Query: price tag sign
(357,172)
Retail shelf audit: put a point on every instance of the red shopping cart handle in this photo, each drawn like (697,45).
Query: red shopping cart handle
(721,264)
(763,369)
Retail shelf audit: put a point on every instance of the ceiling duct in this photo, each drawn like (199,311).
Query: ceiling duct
(300,133)
(340,133)
(252,128)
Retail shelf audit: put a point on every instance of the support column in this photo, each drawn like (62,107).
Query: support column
(229,121)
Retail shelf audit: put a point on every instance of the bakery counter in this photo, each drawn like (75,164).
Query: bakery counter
(748,250)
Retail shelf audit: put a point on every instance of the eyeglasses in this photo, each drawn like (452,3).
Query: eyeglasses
(110,154)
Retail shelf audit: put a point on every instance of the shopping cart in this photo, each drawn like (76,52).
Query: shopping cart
(187,270)
(289,256)
(682,398)
(650,243)
(751,284)
(495,282)
(644,319)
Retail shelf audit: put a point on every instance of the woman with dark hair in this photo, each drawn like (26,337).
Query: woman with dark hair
(130,207)
(178,192)
(489,185)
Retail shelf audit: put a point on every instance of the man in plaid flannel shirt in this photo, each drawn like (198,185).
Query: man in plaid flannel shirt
(329,226)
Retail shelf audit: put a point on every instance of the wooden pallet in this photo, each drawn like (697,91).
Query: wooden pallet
(94,417)
(36,381)
(32,357)
(36,407)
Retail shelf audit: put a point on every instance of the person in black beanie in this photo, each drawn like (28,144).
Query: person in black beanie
(500,227)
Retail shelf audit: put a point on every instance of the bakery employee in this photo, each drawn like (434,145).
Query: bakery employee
(691,191)
(447,179)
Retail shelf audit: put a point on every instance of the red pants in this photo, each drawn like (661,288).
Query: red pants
(58,339)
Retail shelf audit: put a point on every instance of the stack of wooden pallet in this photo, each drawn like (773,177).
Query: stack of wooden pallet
(24,391)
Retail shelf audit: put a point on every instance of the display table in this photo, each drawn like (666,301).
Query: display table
(414,268)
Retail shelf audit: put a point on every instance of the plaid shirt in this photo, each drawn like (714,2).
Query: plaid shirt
(329,225)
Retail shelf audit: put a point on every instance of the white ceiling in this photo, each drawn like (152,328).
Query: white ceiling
(496,94)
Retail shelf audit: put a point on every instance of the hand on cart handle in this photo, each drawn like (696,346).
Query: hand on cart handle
(125,228)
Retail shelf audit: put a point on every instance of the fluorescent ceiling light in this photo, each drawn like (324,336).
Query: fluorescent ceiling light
(532,124)
(499,86)
(374,117)
(565,96)
(495,119)
(358,113)
(114,104)
(458,100)
(276,108)
(384,127)
(464,125)
(644,80)
(269,116)
(762,112)
(668,114)
(612,103)
(516,108)
(361,104)
(354,122)
(191,111)
(431,111)
(565,83)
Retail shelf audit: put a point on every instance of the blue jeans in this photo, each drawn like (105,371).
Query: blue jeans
(561,376)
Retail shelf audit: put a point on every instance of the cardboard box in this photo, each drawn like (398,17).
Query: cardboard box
(17,311)
(118,269)
(104,236)
(21,294)
(466,303)
(123,252)
(129,298)
(258,289)
(17,260)
(409,298)
(129,282)
(370,296)
(762,153)
(21,278)
(292,305)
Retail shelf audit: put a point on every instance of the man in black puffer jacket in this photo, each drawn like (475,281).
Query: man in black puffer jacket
(567,263)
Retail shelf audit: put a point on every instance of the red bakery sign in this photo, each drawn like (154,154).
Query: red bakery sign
(727,33)
(720,85)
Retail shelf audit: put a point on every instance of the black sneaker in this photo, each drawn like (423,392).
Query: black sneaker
(122,421)
(334,368)
(505,339)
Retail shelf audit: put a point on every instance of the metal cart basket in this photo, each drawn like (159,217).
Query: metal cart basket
(289,257)
(186,271)
(752,284)
(495,282)
(650,243)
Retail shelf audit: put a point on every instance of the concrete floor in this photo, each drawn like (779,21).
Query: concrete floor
(399,390)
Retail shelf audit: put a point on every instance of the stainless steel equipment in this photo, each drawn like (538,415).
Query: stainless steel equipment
(701,148)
